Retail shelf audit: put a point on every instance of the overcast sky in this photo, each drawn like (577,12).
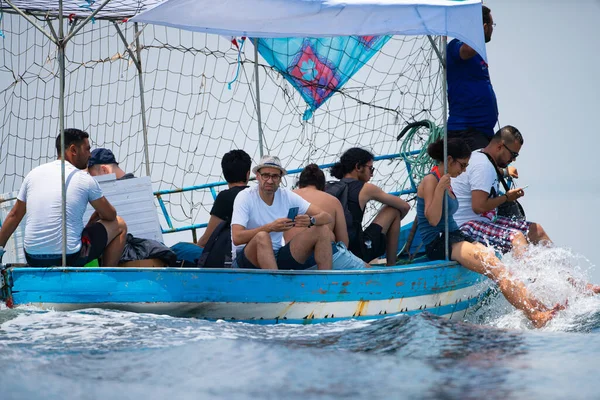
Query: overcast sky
(543,60)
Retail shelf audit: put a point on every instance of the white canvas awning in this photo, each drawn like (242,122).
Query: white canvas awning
(323,18)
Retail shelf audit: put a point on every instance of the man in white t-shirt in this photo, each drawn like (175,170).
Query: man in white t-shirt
(260,216)
(40,197)
(477,192)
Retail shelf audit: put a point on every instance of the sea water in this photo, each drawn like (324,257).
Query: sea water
(493,354)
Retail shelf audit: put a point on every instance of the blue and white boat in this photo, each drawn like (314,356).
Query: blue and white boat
(440,287)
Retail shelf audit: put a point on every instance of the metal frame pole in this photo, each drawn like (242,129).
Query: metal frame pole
(32,21)
(137,59)
(74,31)
(442,55)
(61,127)
(138,51)
(445,110)
(258,116)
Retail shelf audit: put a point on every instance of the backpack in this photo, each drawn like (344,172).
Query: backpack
(339,190)
(217,251)
(508,209)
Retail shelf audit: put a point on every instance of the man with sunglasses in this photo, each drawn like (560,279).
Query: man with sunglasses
(477,191)
(260,216)
(355,169)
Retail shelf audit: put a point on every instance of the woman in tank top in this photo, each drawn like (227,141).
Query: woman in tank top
(474,256)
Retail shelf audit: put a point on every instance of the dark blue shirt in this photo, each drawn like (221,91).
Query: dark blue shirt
(471,97)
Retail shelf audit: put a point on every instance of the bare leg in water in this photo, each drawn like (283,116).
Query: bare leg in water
(477,258)
(589,287)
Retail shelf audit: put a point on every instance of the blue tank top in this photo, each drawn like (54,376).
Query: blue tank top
(430,233)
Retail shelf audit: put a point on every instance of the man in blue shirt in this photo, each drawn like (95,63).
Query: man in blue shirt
(471,97)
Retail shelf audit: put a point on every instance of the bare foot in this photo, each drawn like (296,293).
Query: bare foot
(541,318)
(595,289)
(589,287)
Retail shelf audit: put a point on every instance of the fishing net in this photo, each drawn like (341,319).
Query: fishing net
(200,101)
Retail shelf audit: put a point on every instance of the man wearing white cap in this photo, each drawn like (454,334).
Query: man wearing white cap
(260,216)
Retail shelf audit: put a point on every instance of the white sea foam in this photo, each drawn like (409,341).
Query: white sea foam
(553,275)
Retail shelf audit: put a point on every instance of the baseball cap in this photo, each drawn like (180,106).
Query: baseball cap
(101,156)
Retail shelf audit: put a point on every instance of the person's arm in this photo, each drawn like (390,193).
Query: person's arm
(321,217)
(372,192)
(510,171)
(13,219)
(340,230)
(466,52)
(241,235)
(104,210)
(481,202)
(433,194)
(213,222)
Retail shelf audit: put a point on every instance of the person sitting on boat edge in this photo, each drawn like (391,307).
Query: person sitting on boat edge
(236,170)
(260,216)
(355,169)
(40,197)
(311,187)
(473,256)
(477,191)
(103,162)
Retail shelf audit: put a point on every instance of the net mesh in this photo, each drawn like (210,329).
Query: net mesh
(192,116)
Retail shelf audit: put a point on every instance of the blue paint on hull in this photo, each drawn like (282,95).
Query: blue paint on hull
(102,287)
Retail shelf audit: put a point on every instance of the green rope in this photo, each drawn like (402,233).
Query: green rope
(421,163)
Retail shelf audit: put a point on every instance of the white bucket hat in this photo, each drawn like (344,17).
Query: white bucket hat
(270,162)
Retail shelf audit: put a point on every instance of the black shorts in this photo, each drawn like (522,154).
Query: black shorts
(94,239)
(436,250)
(241,261)
(372,245)
(283,258)
(474,138)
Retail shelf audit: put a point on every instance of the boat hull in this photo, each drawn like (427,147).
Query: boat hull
(442,288)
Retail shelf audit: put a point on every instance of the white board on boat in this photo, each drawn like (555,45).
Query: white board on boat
(134,201)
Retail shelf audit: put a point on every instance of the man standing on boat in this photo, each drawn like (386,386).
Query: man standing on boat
(355,169)
(471,98)
(103,162)
(236,170)
(260,216)
(478,197)
(40,197)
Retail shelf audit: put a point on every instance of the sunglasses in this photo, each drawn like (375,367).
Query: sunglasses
(513,154)
(274,177)
(463,165)
(371,168)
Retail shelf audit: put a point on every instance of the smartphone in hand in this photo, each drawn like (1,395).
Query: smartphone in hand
(292,213)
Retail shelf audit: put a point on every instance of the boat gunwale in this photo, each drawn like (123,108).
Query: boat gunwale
(383,270)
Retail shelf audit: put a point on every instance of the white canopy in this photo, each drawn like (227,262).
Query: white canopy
(322,18)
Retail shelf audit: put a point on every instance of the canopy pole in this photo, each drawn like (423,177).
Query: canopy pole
(445,111)
(138,51)
(61,127)
(258,116)
(137,59)
(74,31)
(441,57)
(32,21)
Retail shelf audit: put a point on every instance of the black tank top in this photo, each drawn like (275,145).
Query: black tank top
(354,188)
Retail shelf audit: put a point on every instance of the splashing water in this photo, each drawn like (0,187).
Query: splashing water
(494,354)
(553,275)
